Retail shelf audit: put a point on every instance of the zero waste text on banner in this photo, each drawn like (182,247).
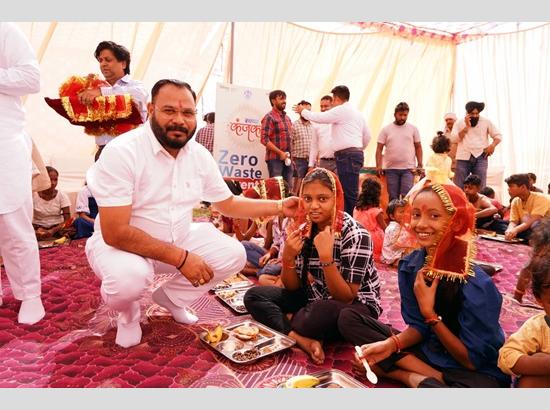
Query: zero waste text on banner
(237,148)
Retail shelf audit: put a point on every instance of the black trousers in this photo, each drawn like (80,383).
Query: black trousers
(359,329)
(317,320)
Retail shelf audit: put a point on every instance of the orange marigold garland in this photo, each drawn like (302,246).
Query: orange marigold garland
(108,114)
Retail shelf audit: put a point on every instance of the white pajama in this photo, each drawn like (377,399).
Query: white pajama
(19,250)
(125,276)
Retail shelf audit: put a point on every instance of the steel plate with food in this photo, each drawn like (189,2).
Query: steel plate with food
(500,238)
(325,379)
(233,298)
(236,281)
(245,341)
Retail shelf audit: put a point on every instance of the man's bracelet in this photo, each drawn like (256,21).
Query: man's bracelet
(184,260)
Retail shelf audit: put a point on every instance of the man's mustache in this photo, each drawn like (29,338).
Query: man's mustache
(178,128)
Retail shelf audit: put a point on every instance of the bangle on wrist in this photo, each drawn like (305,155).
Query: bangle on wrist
(184,260)
(326,264)
(521,292)
(432,321)
(289,266)
(280,207)
(397,343)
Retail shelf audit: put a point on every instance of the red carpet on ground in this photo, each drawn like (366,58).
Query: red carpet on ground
(73,346)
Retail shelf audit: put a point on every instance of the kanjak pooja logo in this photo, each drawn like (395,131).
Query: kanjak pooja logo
(249,127)
(247,94)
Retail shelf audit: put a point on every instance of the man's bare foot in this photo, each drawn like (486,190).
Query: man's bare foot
(312,347)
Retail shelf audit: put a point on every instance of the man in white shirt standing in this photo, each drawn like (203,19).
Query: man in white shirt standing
(114,63)
(402,153)
(350,136)
(473,151)
(146,183)
(321,153)
(19,76)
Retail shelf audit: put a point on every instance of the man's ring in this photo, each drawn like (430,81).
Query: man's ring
(201,281)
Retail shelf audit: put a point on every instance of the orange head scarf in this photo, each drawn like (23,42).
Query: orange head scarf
(453,254)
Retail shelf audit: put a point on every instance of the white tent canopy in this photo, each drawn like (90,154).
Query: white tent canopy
(435,67)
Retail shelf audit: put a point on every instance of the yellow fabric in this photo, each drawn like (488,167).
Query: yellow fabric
(536,204)
(532,337)
(438,168)
(380,70)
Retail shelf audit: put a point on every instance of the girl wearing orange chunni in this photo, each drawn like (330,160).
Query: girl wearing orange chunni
(450,306)
(327,266)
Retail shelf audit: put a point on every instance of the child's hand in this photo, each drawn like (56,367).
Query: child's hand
(324,242)
(425,294)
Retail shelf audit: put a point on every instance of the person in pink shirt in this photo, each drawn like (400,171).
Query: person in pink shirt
(369,214)
(400,142)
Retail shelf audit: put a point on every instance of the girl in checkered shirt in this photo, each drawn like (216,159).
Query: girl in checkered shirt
(327,266)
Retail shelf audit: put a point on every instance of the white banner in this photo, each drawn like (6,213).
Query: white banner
(237,147)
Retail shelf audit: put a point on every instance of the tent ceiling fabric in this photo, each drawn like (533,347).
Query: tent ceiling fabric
(382,63)
(450,29)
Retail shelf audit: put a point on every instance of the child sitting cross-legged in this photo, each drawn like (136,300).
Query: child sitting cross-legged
(526,354)
(327,266)
(451,307)
(51,210)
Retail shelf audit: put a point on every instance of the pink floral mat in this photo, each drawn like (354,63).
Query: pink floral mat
(73,346)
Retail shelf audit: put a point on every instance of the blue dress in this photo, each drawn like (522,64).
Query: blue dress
(478,319)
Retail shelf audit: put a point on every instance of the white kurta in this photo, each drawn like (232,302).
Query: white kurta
(134,169)
(19,75)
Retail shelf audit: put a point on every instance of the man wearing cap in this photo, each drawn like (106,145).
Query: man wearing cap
(473,150)
(450,119)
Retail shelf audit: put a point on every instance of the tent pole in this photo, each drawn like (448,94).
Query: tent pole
(231,45)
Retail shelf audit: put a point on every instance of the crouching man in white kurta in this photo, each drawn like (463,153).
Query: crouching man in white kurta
(146,183)
(19,76)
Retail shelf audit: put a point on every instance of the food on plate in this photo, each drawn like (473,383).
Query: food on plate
(214,336)
(246,332)
(302,381)
(247,355)
(228,294)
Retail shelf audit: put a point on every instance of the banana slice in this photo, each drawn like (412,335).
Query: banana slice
(60,241)
(302,381)
(214,336)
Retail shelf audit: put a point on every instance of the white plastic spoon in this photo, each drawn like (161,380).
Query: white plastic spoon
(370,374)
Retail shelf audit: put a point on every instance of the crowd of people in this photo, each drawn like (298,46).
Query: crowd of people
(321,231)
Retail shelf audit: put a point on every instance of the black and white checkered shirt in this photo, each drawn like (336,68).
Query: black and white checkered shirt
(301,138)
(353,257)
